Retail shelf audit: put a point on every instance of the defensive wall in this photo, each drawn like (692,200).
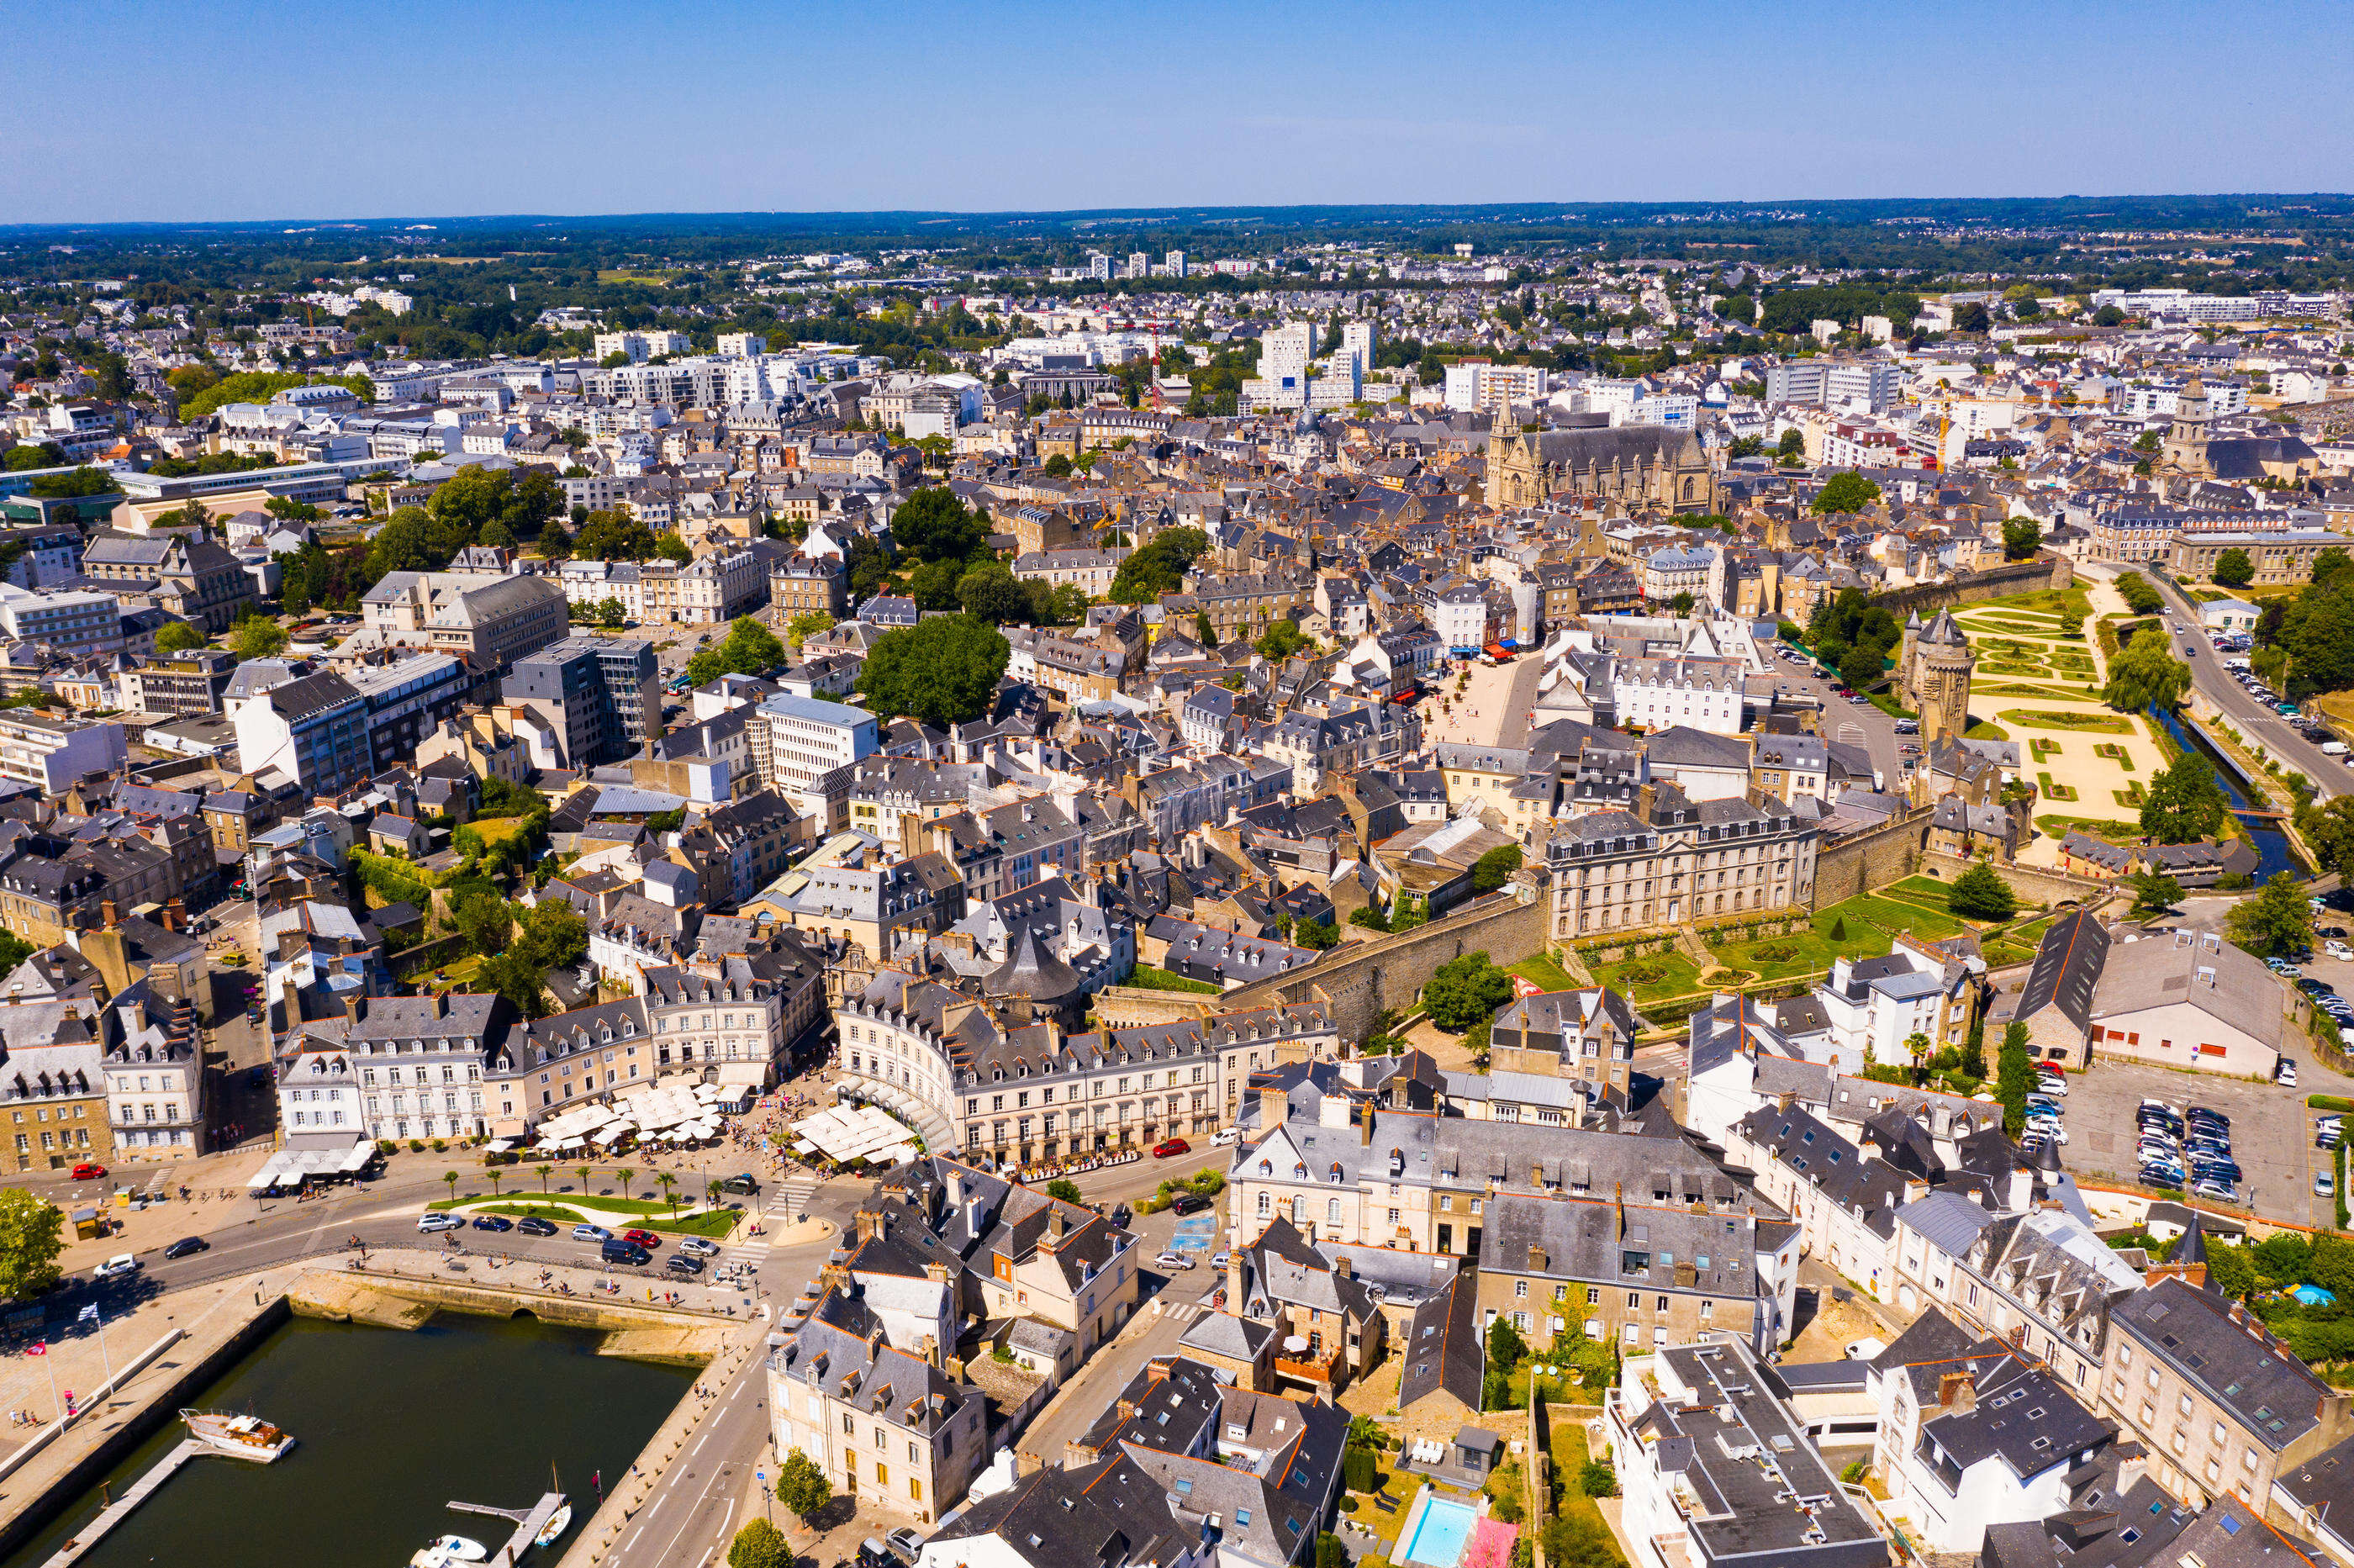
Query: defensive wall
(1873,858)
(2033,884)
(2045,571)
(1365,979)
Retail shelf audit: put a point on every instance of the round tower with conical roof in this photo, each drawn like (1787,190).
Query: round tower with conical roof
(1936,676)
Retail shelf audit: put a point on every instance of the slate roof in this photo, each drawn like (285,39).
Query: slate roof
(2218,1349)
(2067,969)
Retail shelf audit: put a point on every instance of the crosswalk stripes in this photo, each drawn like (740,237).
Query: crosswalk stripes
(794,1197)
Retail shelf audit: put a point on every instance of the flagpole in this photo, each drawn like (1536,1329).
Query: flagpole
(100,1318)
(49,1366)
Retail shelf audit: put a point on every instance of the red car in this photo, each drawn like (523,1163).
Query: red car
(642,1238)
(88,1172)
(1167,1147)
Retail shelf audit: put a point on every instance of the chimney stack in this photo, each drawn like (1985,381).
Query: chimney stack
(868,1223)
(1274,1109)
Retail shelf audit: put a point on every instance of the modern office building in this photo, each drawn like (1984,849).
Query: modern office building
(604,694)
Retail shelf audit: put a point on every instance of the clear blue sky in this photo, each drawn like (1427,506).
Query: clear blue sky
(196,110)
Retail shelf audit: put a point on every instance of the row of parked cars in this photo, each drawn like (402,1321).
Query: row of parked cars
(633,1247)
(2044,1111)
(2190,1148)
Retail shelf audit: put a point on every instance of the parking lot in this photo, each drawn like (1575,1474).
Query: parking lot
(2272,1133)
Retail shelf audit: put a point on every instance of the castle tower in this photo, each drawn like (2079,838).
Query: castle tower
(1938,679)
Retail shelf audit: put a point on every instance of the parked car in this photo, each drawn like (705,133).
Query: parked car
(1188,1203)
(1169,1147)
(615,1250)
(493,1222)
(646,1239)
(533,1225)
(2325,1185)
(2287,1077)
(187,1245)
(85,1171)
(1175,1262)
(906,1542)
(434,1224)
(699,1247)
(682,1263)
(1864,1349)
(121,1263)
(586,1232)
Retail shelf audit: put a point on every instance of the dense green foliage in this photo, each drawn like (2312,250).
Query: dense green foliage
(2143,674)
(2021,537)
(2140,596)
(942,671)
(748,649)
(2014,1070)
(2184,803)
(1981,893)
(1853,636)
(2275,923)
(32,1234)
(1846,493)
(260,385)
(1466,991)
(2233,569)
(1495,868)
(1159,568)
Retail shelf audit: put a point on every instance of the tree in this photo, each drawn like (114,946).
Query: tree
(2145,674)
(1846,493)
(989,592)
(553,935)
(73,484)
(2184,803)
(1980,893)
(802,1485)
(1466,991)
(1792,447)
(1972,318)
(1495,868)
(1863,666)
(178,638)
(1682,603)
(2233,569)
(941,670)
(760,1545)
(32,1234)
(748,649)
(1281,641)
(2155,892)
(2014,1071)
(2139,596)
(2021,537)
(1330,1552)
(2276,922)
(1159,568)
(1316,935)
(932,525)
(670,547)
(487,922)
(2329,829)
(613,536)
(808,624)
(256,637)
(515,978)
(1064,1189)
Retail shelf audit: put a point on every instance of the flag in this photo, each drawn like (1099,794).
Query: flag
(88,1313)
(36,1350)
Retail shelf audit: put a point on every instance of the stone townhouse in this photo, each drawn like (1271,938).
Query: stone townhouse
(1280,1280)
(1633,1274)
(421,1062)
(1420,1183)
(1844,1200)
(1672,861)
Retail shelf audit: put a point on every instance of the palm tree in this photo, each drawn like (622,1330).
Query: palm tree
(582,1171)
(449,1179)
(713,1190)
(668,1181)
(496,1176)
(627,1177)
(543,1179)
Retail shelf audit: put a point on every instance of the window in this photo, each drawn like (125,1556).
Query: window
(1521,1289)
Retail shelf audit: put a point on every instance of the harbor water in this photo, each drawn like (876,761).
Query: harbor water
(391,1426)
(2263,832)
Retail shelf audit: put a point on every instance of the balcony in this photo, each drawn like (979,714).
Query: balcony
(1308,1367)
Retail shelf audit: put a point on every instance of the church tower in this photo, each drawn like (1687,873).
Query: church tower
(2186,440)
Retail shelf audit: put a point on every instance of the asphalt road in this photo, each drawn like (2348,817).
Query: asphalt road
(2250,717)
(1857,724)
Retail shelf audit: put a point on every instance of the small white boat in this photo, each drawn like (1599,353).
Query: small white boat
(245,1436)
(557,1524)
(450,1550)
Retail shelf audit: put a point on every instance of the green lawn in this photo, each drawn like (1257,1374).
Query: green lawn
(1867,924)
(1919,889)
(1145,977)
(1981,730)
(496,829)
(711,1223)
(1543,971)
(2045,718)
(2052,791)
(1661,975)
(2105,829)
(2050,601)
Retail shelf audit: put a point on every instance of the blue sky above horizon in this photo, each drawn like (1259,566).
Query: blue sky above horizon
(204,111)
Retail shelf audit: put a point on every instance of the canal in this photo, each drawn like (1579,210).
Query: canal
(2272,846)
(391,1426)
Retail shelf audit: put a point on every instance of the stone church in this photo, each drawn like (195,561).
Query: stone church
(1636,467)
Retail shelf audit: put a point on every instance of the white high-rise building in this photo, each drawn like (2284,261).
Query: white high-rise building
(1098,265)
(1139,265)
(1283,357)
(1175,262)
(1357,338)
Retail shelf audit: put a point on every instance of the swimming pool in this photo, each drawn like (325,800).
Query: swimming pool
(1439,1533)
